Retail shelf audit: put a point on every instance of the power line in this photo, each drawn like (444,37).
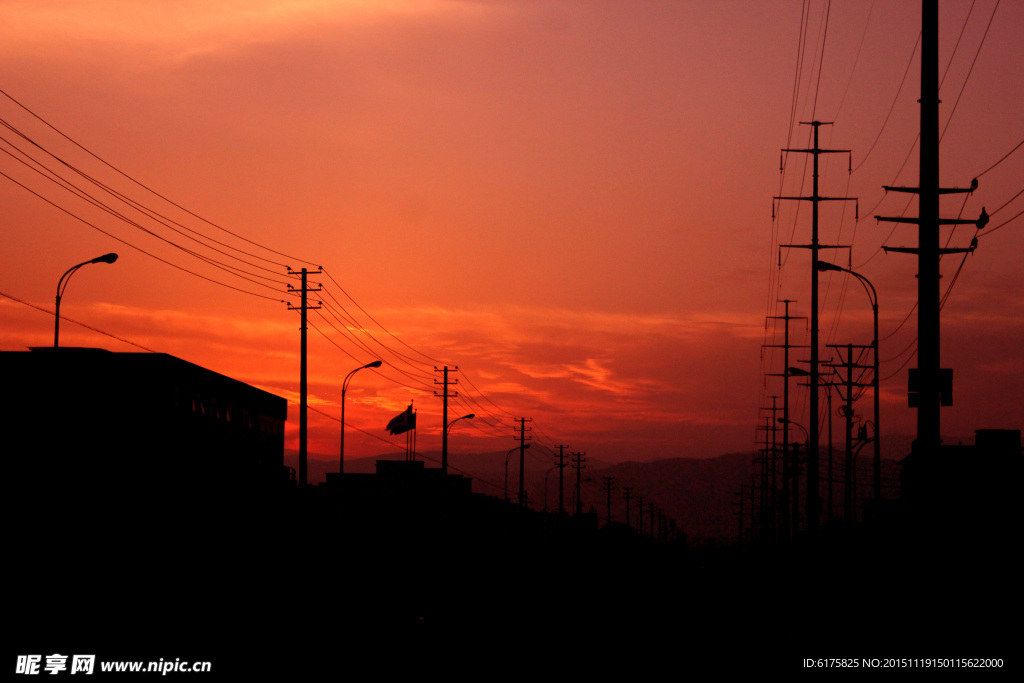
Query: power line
(891,108)
(1007,202)
(148,212)
(140,249)
(76,322)
(144,186)
(1006,222)
(374,320)
(1004,158)
(969,71)
(956,46)
(98,204)
(856,61)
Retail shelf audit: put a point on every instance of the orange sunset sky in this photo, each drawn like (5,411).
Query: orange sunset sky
(570,201)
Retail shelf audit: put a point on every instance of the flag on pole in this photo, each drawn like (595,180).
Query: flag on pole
(403,422)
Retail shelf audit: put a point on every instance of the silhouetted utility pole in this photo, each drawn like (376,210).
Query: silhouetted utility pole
(930,386)
(650,509)
(753,494)
(607,483)
(522,455)
(561,479)
(302,369)
(625,494)
(831,452)
(847,390)
(742,495)
(579,462)
(640,514)
(813,499)
(788,471)
(766,520)
(444,417)
(758,512)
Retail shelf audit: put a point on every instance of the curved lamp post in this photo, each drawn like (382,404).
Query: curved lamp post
(823,382)
(444,449)
(464,417)
(873,297)
(546,475)
(795,470)
(344,388)
(507,456)
(62,284)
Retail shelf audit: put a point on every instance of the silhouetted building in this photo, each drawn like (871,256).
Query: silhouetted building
(145,484)
(103,421)
(974,486)
(404,478)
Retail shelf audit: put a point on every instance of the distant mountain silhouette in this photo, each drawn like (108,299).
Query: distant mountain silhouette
(700,494)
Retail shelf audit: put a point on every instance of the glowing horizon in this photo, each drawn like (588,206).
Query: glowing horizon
(570,204)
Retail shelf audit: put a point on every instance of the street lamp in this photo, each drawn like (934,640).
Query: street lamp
(444,448)
(464,417)
(794,470)
(344,388)
(546,475)
(873,297)
(800,372)
(62,284)
(507,456)
(784,421)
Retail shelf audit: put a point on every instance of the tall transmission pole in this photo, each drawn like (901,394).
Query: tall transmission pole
(626,490)
(579,463)
(561,464)
(813,499)
(640,514)
(766,520)
(850,385)
(522,455)
(303,307)
(930,386)
(444,417)
(607,483)
(789,470)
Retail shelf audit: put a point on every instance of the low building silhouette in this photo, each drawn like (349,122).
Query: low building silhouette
(92,419)
(965,486)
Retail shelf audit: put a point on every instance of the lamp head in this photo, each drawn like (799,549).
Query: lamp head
(106,258)
(374,364)
(825,265)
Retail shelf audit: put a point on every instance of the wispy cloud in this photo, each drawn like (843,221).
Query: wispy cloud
(188,29)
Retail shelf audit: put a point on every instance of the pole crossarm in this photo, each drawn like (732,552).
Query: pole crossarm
(445,383)
(813,246)
(303,307)
(941,190)
(813,503)
(917,221)
(948,250)
(821,199)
